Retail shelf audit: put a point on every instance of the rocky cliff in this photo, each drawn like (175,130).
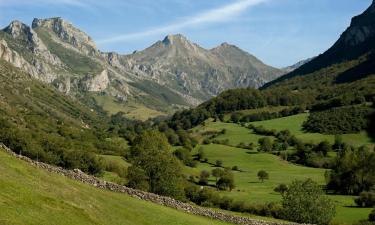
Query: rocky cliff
(170,74)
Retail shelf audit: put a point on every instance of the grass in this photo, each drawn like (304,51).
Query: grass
(250,189)
(234,132)
(131,110)
(31,196)
(294,124)
(78,63)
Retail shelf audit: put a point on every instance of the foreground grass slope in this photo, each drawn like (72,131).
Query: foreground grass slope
(31,196)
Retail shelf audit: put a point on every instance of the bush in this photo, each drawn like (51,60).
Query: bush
(305,202)
(366,199)
(371,217)
(219,163)
(281,188)
(203,177)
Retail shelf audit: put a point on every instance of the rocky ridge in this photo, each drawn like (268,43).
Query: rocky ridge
(172,72)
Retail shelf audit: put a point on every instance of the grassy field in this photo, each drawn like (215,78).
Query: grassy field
(131,110)
(237,134)
(294,124)
(250,189)
(32,196)
(234,132)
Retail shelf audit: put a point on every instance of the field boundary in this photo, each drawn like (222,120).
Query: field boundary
(78,175)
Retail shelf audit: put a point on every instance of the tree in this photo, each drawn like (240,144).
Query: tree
(219,163)
(305,202)
(281,188)
(137,179)
(203,177)
(201,154)
(151,153)
(226,181)
(371,217)
(366,199)
(353,171)
(217,173)
(324,147)
(263,175)
(265,144)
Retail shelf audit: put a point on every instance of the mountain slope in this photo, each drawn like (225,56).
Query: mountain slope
(45,198)
(171,74)
(197,72)
(354,49)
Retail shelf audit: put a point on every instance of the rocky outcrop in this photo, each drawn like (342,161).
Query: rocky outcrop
(67,33)
(15,59)
(161,200)
(20,31)
(97,83)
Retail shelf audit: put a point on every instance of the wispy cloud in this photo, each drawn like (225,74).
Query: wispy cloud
(73,3)
(221,14)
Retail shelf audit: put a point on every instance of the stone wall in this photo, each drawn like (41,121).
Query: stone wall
(161,200)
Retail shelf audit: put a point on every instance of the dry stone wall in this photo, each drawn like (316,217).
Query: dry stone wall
(78,175)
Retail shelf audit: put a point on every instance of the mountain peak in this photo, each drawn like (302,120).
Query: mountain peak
(17,28)
(65,31)
(172,39)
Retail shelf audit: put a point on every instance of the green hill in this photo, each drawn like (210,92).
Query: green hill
(32,196)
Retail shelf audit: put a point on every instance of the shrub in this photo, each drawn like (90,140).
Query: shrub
(203,177)
(366,199)
(305,202)
(281,188)
(371,217)
(219,163)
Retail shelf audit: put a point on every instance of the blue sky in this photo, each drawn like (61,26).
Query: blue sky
(279,32)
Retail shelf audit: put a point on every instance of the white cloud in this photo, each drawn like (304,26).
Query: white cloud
(220,14)
(74,3)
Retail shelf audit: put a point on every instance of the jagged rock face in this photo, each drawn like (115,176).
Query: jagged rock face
(97,83)
(175,66)
(68,33)
(14,58)
(362,28)
(200,73)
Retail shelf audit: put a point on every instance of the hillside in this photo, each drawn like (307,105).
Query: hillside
(45,198)
(171,74)
(354,50)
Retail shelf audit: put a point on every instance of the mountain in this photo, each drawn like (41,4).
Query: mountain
(297,65)
(354,51)
(171,74)
(342,76)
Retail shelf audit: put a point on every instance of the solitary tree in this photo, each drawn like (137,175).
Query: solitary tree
(201,155)
(263,175)
(265,144)
(219,163)
(305,202)
(203,178)
(281,188)
(226,181)
(217,173)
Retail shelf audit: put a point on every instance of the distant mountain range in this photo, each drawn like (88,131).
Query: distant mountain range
(171,74)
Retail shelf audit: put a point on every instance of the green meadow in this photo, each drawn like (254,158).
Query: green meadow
(32,196)
(248,187)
